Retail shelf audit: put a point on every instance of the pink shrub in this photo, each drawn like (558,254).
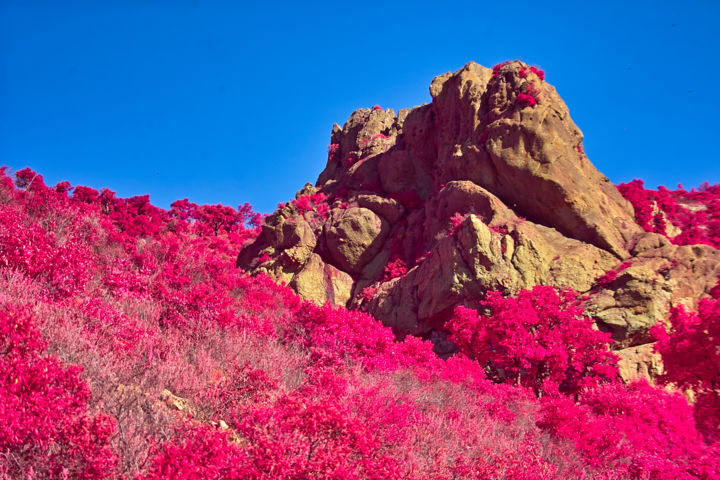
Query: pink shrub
(346,334)
(455,223)
(526,100)
(394,269)
(636,431)
(65,267)
(368,293)
(332,150)
(609,276)
(538,72)
(539,339)
(198,453)
(496,69)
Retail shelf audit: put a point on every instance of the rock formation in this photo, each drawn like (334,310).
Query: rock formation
(487,187)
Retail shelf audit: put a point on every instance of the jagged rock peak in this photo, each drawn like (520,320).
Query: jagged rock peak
(487,187)
(504,129)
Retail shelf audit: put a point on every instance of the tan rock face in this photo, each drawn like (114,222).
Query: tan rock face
(661,276)
(319,282)
(484,188)
(354,237)
(639,362)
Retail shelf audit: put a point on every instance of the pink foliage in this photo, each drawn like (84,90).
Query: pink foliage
(540,73)
(395,268)
(690,350)
(306,203)
(696,213)
(526,100)
(609,276)
(496,69)
(65,266)
(45,429)
(539,339)
(635,431)
(368,293)
(455,222)
(332,150)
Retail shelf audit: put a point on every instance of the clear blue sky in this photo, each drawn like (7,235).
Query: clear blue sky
(228,101)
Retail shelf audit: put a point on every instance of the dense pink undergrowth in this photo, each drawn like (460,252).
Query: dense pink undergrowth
(132,348)
(686,218)
(539,339)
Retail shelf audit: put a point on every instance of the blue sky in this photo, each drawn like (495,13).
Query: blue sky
(228,102)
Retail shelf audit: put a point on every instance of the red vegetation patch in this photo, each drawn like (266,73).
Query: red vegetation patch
(395,268)
(455,223)
(540,73)
(530,97)
(539,339)
(642,432)
(496,69)
(368,293)
(695,213)
(524,71)
(526,100)
(608,277)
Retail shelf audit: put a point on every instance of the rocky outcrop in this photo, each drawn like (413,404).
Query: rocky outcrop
(485,188)
(660,275)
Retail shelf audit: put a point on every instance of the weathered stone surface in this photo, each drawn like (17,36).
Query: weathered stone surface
(464,265)
(320,283)
(464,197)
(388,208)
(531,210)
(173,402)
(288,242)
(296,240)
(661,276)
(639,362)
(354,237)
(529,157)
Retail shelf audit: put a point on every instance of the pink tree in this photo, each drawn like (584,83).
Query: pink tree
(539,339)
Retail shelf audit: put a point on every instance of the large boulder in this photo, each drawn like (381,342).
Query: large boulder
(354,237)
(319,282)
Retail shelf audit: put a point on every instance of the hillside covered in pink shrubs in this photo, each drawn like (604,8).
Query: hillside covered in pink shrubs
(131,347)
